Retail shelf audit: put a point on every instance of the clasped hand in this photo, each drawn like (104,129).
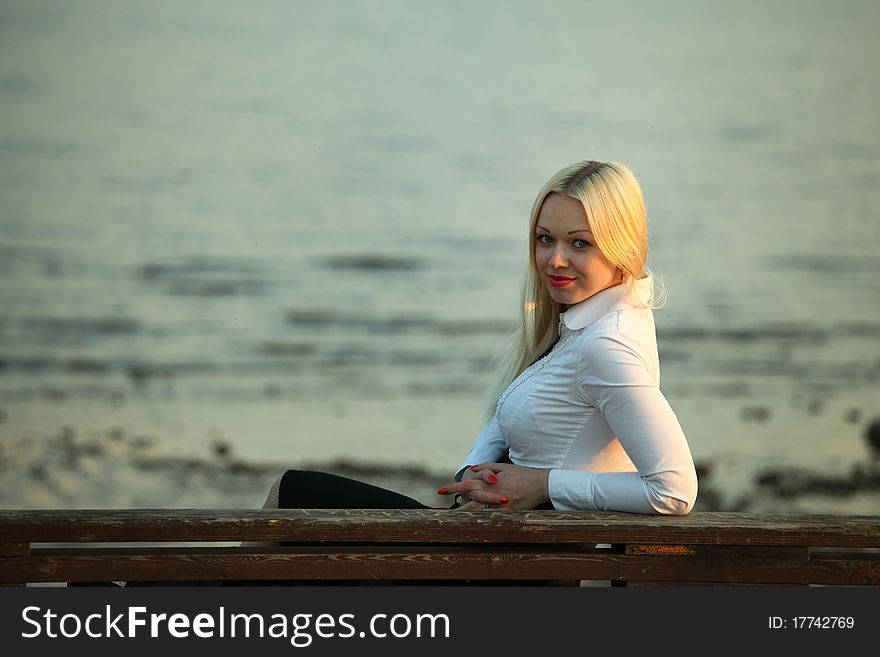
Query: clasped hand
(500,486)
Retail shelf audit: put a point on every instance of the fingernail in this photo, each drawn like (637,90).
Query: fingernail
(504,500)
(472,467)
(442,491)
(493,479)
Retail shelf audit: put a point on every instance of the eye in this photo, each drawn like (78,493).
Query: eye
(580,244)
(544,239)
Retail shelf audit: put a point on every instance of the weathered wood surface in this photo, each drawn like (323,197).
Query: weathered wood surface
(319,563)
(437,526)
(725,548)
(14,549)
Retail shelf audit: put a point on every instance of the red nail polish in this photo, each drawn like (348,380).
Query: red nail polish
(442,491)
(472,467)
(493,479)
(504,500)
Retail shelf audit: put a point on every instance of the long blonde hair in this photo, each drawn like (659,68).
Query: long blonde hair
(615,208)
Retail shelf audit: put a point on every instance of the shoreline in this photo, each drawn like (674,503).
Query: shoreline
(115,469)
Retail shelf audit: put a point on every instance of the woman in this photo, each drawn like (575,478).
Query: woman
(577,417)
(586,425)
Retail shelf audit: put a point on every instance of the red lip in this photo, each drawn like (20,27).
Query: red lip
(559,281)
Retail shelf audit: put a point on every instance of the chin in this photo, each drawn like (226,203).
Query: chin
(563,298)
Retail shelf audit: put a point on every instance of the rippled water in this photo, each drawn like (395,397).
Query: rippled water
(299,228)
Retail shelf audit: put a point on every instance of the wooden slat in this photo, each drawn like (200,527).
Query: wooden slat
(15,549)
(391,563)
(352,525)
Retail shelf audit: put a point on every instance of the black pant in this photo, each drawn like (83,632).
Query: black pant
(307,489)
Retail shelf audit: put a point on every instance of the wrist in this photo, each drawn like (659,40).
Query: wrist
(545,486)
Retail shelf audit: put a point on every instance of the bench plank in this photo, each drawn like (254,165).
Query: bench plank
(431,526)
(48,565)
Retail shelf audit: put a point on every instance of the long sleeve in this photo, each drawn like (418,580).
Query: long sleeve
(489,446)
(614,378)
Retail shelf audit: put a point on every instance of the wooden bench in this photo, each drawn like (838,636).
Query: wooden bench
(702,548)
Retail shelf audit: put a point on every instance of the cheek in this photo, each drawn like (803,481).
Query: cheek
(595,266)
(585,265)
(540,259)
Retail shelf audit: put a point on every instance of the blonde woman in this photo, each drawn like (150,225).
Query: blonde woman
(577,419)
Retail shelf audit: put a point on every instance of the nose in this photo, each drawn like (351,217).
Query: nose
(558,260)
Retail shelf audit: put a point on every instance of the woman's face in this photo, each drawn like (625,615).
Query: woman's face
(566,255)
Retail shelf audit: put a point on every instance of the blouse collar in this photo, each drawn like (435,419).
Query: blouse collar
(582,314)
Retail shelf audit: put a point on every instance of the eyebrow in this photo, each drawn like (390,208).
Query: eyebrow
(571,232)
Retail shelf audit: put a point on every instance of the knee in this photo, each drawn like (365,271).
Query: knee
(299,486)
(290,480)
(293,479)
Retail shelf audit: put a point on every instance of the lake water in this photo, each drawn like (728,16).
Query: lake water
(296,230)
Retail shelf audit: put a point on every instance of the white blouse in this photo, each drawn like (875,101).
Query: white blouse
(591,410)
